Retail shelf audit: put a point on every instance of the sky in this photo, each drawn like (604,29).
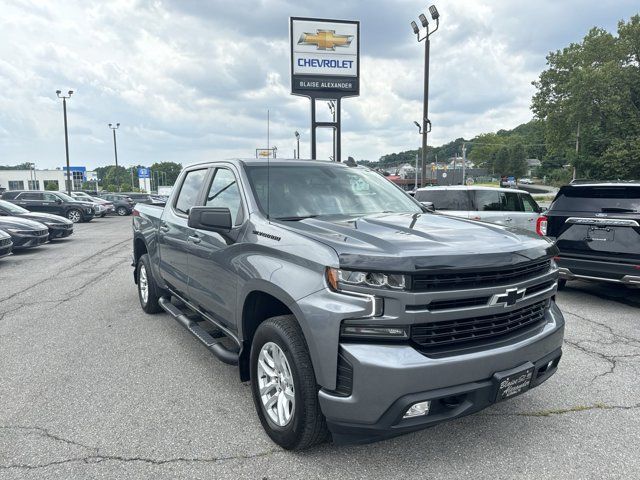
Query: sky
(192,80)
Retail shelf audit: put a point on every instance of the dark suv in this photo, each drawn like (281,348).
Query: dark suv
(57,203)
(123,204)
(596,226)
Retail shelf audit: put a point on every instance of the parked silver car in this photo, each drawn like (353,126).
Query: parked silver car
(510,207)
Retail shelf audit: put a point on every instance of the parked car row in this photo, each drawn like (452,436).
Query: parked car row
(20,228)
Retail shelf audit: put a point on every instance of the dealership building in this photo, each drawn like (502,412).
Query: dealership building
(44,179)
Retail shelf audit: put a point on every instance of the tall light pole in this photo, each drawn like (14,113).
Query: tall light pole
(425,109)
(115,150)
(297,134)
(66,135)
(415,185)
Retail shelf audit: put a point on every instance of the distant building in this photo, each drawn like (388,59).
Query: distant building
(532,165)
(44,179)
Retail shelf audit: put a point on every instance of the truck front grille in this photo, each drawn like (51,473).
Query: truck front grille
(468,332)
(478,279)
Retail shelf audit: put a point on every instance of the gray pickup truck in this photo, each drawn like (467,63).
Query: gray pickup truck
(350,308)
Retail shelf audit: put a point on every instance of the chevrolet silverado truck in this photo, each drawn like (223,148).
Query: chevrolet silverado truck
(352,310)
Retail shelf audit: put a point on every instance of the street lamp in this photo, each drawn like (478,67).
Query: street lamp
(297,134)
(66,134)
(425,114)
(115,150)
(415,184)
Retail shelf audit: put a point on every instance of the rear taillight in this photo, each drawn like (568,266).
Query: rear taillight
(135,213)
(541,225)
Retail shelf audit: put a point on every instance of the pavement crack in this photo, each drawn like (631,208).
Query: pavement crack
(564,411)
(624,338)
(94,455)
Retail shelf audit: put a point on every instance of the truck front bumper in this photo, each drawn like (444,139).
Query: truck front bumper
(388,379)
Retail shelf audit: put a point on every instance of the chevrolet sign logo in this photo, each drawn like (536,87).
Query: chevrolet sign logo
(510,297)
(325,39)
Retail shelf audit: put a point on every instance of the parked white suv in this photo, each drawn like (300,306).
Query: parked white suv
(508,207)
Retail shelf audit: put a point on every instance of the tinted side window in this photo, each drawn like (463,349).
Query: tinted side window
(529,203)
(488,200)
(30,196)
(189,191)
(224,192)
(446,199)
(511,202)
(49,197)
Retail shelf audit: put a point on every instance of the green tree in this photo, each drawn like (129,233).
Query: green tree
(592,87)
(170,171)
(502,162)
(517,161)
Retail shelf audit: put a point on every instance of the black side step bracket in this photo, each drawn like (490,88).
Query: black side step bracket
(212,343)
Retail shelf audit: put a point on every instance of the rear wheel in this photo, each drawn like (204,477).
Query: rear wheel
(562,283)
(284,387)
(148,291)
(122,211)
(74,215)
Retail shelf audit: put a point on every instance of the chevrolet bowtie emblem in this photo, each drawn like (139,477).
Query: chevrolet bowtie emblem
(325,39)
(509,298)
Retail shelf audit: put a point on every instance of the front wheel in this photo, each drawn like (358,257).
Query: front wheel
(148,291)
(122,211)
(284,386)
(74,215)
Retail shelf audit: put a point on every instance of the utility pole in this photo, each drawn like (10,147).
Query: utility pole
(425,106)
(577,150)
(297,134)
(115,151)
(66,135)
(464,163)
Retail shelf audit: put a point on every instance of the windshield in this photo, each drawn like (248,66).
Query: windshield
(314,190)
(11,208)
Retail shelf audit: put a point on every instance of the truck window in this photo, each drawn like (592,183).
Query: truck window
(445,199)
(224,192)
(189,190)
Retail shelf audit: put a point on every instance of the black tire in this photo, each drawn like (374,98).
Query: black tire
(562,283)
(307,426)
(150,305)
(74,215)
(122,211)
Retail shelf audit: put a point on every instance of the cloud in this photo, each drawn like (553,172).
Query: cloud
(191,80)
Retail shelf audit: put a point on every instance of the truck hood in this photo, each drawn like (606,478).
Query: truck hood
(412,242)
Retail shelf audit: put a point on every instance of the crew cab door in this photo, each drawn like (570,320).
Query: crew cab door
(213,279)
(174,233)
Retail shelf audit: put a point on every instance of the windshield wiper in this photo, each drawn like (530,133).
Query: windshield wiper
(295,219)
(619,209)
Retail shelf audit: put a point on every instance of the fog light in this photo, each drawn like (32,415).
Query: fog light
(418,409)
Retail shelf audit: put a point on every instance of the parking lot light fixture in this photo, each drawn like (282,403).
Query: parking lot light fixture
(115,150)
(66,136)
(425,117)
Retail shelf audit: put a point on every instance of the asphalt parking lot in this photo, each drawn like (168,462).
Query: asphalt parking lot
(91,387)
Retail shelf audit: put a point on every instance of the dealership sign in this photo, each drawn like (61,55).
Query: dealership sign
(325,57)
(144,172)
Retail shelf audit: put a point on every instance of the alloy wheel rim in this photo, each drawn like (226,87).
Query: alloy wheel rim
(144,284)
(122,212)
(74,216)
(275,381)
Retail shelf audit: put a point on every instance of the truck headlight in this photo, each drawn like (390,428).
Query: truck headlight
(337,278)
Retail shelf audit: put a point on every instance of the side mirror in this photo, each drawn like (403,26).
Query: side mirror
(429,206)
(214,219)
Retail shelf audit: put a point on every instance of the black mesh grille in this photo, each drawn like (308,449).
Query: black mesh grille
(4,242)
(477,279)
(344,381)
(475,330)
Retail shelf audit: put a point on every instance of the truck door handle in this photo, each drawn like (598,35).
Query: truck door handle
(164,227)
(195,238)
